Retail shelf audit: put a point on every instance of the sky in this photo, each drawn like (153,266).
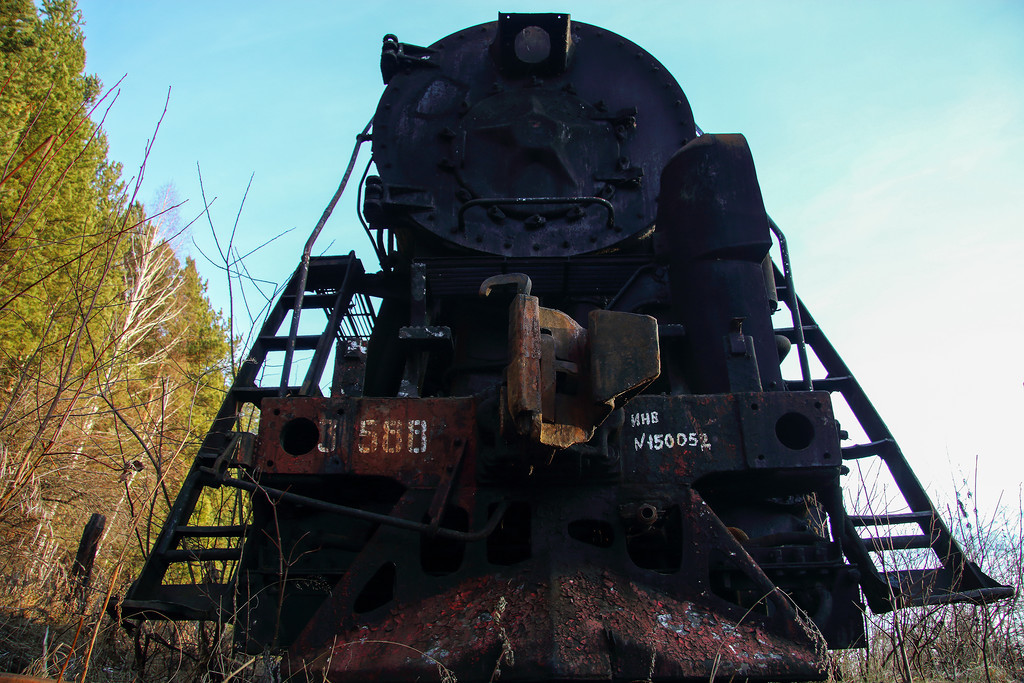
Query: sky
(888,139)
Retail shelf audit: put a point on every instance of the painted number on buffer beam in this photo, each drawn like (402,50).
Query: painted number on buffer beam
(659,441)
(392,436)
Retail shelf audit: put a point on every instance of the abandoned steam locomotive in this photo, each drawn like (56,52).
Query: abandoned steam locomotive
(557,440)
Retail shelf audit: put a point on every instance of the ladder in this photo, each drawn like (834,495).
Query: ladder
(332,284)
(956,578)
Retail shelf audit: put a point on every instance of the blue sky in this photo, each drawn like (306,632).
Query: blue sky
(888,139)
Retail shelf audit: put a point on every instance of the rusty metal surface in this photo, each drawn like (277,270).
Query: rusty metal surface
(621,581)
(624,354)
(562,381)
(523,376)
(579,625)
(569,613)
(410,440)
(574,415)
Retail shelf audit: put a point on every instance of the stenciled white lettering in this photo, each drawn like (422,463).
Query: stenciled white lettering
(658,442)
(417,436)
(392,436)
(646,418)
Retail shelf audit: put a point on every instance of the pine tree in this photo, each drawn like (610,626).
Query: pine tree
(111,360)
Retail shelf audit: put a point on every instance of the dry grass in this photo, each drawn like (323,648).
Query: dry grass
(955,642)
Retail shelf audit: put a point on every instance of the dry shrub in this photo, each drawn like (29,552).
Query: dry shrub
(969,641)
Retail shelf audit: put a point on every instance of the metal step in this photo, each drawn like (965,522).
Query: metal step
(202,554)
(790,333)
(322,301)
(891,519)
(883,543)
(305,342)
(830,383)
(210,531)
(882,448)
(180,601)
(256,394)
(926,587)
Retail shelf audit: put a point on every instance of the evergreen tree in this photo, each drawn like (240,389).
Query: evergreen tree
(111,360)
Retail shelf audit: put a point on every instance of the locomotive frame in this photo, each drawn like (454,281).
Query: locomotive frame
(561,444)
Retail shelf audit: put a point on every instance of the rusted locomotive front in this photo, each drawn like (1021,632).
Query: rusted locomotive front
(561,445)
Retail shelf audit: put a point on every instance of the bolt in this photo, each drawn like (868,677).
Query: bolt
(647,514)
(496,214)
(535,221)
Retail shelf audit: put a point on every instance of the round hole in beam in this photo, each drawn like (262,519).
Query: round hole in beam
(794,431)
(299,436)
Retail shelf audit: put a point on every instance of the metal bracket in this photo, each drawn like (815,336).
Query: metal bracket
(525,201)
(396,56)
